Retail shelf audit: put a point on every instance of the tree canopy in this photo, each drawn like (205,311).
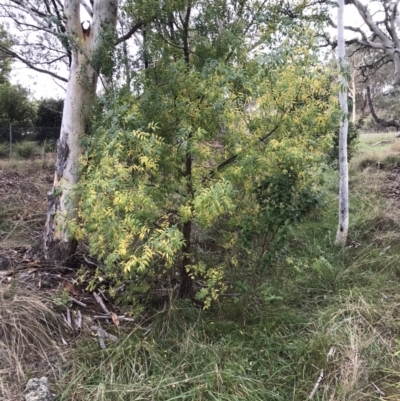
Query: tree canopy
(15,106)
(214,154)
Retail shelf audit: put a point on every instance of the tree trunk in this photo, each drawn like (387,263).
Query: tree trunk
(58,243)
(186,284)
(343,227)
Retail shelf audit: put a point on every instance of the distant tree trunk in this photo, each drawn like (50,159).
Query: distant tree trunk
(58,242)
(343,227)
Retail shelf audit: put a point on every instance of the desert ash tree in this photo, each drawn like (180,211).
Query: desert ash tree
(343,226)
(195,177)
(58,242)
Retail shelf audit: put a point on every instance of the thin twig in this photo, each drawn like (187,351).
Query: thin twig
(121,317)
(314,390)
(101,303)
(77,302)
(78,320)
(102,334)
(379,391)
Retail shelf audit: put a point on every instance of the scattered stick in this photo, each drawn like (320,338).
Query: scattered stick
(380,143)
(314,390)
(101,303)
(6,273)
(90,263)
(102,294)
(78,320)
(67,318)
(102,334)
(378,390)
(330,354)
(75,301)
(121,317)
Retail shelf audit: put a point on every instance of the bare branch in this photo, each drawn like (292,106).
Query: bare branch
(130,33)
(29,64)
(367,17)
(364,41)
(393,25)
(381,121)
(87,7)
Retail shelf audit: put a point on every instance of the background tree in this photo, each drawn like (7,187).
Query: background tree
(379,38)
(15,106)
(343,226)
(5,59)
(48,119)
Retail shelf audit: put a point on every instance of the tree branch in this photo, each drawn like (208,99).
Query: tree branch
(30,65)
(367,18)
(130,33)
(393,26)
(381,121)
(87,7)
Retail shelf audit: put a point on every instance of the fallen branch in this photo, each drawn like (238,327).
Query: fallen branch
(101,303)
(102,334)
(314,390)
(77,302)
(67,318)
(78,320)
(330,354)
(120,317)
(378,390)
(380,143)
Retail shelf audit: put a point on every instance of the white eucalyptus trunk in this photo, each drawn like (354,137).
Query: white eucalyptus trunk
(58,242)
(343,227)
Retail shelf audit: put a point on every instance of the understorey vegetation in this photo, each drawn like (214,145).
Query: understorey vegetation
(188,250)
(197,172)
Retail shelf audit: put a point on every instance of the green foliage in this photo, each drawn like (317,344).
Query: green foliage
(4,149)
(212,160)
(15,106)
(50,146)
(62,298)
(352,141)
(25,149)
(5,60)
(49,115)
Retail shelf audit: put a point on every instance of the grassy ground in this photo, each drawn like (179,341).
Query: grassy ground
(328,328)
(325,328)
(30,329)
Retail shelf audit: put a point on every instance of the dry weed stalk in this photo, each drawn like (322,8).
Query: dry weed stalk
(29,334)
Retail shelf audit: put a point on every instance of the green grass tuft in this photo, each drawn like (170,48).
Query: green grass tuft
(26,150)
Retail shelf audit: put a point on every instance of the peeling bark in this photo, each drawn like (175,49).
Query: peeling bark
(343,226)
(58,243)
(62,155)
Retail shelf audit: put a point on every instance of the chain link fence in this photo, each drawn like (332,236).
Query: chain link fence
(28,142)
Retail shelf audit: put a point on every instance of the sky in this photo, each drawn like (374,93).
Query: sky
(40,85)
(43,86)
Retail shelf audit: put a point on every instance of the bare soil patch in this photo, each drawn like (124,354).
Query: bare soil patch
(44,308)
